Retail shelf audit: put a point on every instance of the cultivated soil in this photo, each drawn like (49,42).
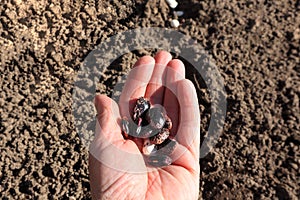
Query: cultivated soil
(254,45)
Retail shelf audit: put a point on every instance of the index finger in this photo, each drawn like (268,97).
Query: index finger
(136,84)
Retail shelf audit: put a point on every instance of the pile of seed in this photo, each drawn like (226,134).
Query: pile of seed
(152,124)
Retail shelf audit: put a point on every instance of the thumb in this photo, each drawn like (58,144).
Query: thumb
(109,146)
(107,118)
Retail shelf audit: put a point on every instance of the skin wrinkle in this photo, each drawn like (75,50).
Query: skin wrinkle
(169,171)
(157,176)
(174,179)
(111,185)
(149,186)
(189,170)
(166,193)
(127,193)
(119,187)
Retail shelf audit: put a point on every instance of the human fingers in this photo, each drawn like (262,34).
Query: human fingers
(136,84)
(107,119)
(109,145)
(175,72)
(188,133)
(155,89)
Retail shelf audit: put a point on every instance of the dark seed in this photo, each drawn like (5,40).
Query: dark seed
(125,127)
(134,129)
(168,123)
(137,130)
(158,160)
(153,125)
(142,105)
(130,128)
(156,117)
(160,137)
(147,132)
(167,147)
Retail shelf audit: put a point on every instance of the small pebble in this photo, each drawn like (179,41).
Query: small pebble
(172,3)
(175,23)
(295,166)
(178,13)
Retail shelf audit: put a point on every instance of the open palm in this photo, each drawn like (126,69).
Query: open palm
(117,168)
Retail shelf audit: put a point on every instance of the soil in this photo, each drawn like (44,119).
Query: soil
(254,44)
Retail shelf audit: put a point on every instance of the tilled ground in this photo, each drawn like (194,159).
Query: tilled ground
(255,45)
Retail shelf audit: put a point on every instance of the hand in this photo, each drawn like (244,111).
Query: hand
(116,166)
